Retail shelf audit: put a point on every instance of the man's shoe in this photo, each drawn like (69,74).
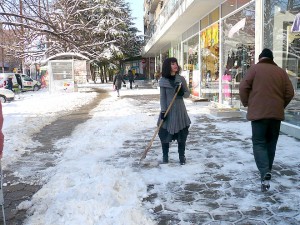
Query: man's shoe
(265,185)
(182,160)
(268,176)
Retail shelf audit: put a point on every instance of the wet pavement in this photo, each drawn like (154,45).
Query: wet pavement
(213,196)
(293,111)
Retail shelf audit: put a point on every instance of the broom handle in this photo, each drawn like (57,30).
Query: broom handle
(160,124)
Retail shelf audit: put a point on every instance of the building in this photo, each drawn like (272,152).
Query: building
(8,61)
(216,41)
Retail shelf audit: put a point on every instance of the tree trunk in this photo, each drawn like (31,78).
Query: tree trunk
(93,74)
(105,73)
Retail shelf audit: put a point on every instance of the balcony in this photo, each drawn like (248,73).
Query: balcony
(175,18)
(153,5)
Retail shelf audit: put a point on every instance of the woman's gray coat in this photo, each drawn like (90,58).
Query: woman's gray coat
(177,118)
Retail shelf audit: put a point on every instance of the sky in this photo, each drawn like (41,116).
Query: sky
(95,179)
(137,7)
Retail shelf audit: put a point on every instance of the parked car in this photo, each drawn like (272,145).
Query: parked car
(6,95)
(20,82)
(29,83)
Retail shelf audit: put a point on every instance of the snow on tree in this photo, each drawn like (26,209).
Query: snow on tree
(102,30)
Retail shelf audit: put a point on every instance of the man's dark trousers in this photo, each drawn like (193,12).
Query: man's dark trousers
(265,134)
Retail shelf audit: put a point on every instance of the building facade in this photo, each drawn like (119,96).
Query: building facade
(216,41)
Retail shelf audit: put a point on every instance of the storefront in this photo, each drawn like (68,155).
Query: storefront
(191,64)
(238,52)
(216,52)
(209,39)
(238,24)
(282,35)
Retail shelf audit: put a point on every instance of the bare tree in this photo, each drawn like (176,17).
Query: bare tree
(99,29)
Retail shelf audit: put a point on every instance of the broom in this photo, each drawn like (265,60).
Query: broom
(159,126)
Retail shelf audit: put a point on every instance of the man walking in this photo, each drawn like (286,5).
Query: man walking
(117,82)
(266,90)
(130,78)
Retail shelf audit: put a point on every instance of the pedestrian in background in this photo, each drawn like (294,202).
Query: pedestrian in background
(157,76)
(176,122)
(130,78)
(9,83)
(117,82)
(266,90)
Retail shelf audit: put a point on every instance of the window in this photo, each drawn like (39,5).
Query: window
(237,51)
(228,7)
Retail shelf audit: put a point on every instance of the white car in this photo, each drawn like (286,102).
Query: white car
(20,82)
(6,95)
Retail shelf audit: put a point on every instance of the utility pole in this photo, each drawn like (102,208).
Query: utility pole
(22,33)
(2,49)
(2,53)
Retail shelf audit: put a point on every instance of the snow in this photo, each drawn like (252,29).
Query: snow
(92,184)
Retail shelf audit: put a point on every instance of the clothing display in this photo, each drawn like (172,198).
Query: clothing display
(240,59)
(210,54)
(296,24)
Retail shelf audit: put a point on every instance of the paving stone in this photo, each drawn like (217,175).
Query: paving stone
(196,218)
(227,216)
(283,220)
(168,219)
(195,187)
(258,212)
(250,222)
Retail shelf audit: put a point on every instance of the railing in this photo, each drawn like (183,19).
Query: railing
(168,10)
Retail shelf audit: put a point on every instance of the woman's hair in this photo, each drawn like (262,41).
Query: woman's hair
(166,68)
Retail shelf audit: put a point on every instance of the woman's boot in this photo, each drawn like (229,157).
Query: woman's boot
(181,152)
(165,149)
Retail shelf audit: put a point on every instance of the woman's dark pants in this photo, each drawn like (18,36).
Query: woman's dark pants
(265,134)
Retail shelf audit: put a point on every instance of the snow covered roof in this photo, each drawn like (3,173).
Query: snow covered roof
(65,55)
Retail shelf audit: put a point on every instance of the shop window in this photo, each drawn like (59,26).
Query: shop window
(237,52)
(185,55)
(228,7)
(240,3)
(294,6)
(204,22)
(190,53)
(283,18)
(193,45)
(214,16)
(209,41)
(282,36)
(190,61)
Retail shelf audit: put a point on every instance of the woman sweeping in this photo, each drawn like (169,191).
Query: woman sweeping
(177,122)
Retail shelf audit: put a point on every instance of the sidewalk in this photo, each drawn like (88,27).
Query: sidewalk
(218,185)
(218,195)
(221,184)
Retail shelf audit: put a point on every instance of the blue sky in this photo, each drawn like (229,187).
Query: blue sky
(138,12)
